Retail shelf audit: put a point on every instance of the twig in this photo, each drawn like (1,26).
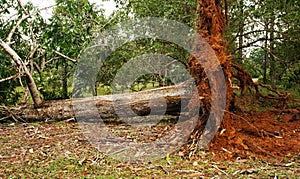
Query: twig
(216,167)
(52,59)
(282,165)
(161,168)
(14,28)
(66,57)
(187,171)
(38,10)
(226,150)
(2,119)
(264,151)
(22,7)
(273,90)
(11,114)
(32,52)
(11,77)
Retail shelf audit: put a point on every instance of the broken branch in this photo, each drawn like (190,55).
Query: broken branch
(66,57)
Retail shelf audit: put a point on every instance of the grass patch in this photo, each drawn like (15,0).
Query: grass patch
(59,150)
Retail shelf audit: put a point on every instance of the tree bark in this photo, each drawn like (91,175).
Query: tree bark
(65,80)
(265,62)
(272,59)
(174,97)
(241,33)
(28,77)
(210,25)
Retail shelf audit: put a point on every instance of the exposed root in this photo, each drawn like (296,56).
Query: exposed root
(246,83)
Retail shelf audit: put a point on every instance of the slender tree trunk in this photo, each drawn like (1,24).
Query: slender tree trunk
(28,77)
(65,80)
(265,63)
(241,32)
(272,59)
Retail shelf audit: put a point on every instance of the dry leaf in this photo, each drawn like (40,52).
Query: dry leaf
(70,166)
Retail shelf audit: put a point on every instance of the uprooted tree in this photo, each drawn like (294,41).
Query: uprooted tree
(211,22)
(210,25)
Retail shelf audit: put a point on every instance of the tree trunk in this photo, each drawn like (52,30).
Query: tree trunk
(28,77)
(241,33)
(210,25)
(65,80)
(174,97)
(265,63)
(272,59)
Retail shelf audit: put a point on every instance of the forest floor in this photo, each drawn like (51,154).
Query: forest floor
(260,144)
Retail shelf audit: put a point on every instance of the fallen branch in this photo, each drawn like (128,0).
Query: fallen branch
(216,167)
(187,171)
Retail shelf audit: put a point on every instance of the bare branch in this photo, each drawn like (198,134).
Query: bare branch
(38,10)
(9,78)
(250,33)
(14,28)
(51,60)
(66,57)
(24,17)
(21,66)
(12,54)
(255,41)
(22,7)
(32,52)
(36,66)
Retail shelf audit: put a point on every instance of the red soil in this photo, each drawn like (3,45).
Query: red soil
(261,134)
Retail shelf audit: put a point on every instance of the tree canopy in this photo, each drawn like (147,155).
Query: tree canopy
(262,36)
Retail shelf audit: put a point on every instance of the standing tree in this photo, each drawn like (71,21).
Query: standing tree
(70,30)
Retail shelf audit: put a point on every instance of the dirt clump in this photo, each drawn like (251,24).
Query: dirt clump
(261,134)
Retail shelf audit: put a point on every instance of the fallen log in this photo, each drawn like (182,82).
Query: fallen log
(160,101)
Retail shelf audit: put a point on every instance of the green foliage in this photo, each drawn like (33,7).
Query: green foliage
(269,31)
(70,30)
(254,63)
(184,12)
(137,48)
(73,24)
(8,94)
(20,43)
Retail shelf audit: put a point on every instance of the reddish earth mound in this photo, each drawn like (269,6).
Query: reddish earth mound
(264,134)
